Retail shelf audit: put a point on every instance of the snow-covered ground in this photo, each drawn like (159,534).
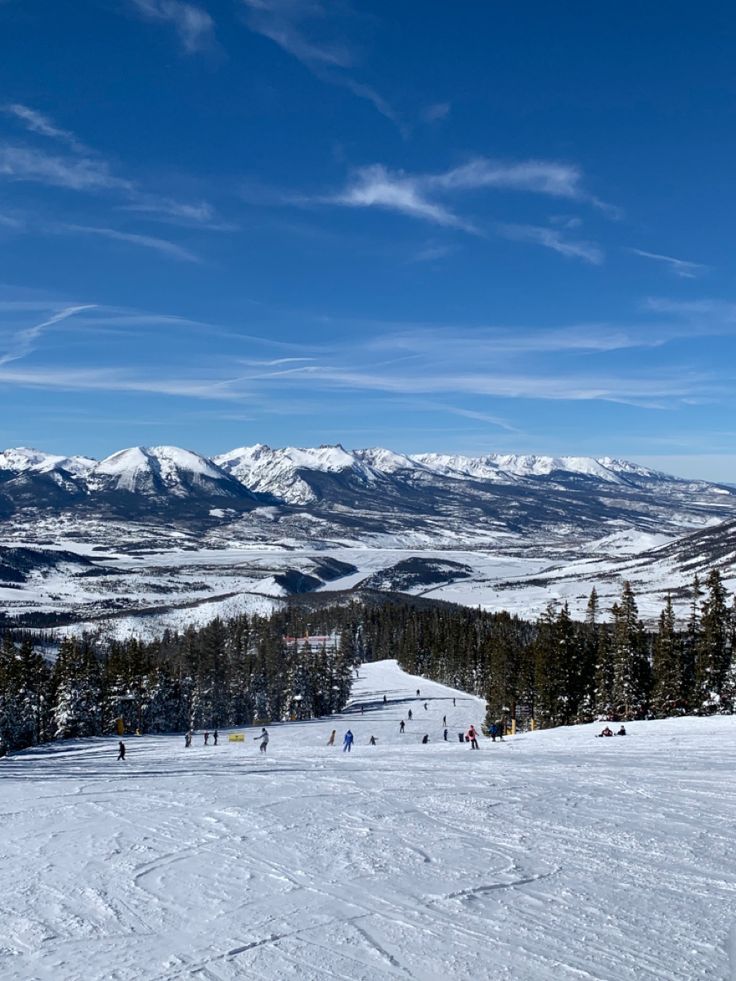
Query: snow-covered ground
(551,857)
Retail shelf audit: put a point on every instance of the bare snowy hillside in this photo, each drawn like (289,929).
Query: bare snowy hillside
(553,855)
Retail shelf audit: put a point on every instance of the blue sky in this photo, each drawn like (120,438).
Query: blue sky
(466,227)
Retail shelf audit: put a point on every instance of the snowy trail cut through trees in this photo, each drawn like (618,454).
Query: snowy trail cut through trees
(552,856)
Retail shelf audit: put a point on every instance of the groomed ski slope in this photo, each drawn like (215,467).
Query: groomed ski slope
(553,856)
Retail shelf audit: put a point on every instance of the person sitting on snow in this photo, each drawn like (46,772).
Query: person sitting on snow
(621,731)
(606,732)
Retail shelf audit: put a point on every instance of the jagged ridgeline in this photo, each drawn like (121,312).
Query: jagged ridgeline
(299,663)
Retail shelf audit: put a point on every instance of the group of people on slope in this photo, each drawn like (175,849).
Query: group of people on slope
(609,732)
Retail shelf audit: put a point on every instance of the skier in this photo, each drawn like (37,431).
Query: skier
(331,740)
(347,742)
(426,707)
(362,709)
(473,737)
(453,703)
(372,741)
(215,736)
(444,736)
(264,740)
(186,740)
(206,738)
(444,720)
(417,693)
(401,726)
(121,750)
(425,738)
(384,699)
(493,731)
(409,715)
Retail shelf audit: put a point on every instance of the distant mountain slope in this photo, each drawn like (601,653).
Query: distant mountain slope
(329,494)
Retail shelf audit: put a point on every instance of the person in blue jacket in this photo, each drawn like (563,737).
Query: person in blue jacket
(347,742)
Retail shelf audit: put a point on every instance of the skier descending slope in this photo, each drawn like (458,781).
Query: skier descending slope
(121,750)
(264,740)
(347,742)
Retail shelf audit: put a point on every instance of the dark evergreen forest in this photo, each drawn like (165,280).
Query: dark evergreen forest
(556,671)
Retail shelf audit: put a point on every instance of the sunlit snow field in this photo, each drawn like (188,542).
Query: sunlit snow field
(552,856)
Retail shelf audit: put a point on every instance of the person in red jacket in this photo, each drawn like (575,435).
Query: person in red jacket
(473,737)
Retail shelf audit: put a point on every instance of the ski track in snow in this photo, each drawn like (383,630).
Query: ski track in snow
(551,856)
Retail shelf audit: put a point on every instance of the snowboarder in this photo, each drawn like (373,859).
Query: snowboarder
(372,741)
(409,715)
(401,726)
(264,740)
(206,738)
(121,750)
(331,740)
(425,738)
(347,742)
(215,736)
(473,737)
(444,735)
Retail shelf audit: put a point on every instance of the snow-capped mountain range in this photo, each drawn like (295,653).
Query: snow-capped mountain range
(260,522)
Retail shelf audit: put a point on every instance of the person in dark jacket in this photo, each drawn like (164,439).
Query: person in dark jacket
(409,715)
(121,750)
(425,738)
(402,725)
(372,741)
(215,736)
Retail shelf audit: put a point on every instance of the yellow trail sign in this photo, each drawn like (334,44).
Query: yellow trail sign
(236,737)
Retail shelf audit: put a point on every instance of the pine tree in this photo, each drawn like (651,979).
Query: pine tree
(667,668)
(712,654)
(630,665)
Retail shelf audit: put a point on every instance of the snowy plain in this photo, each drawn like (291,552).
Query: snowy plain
(553,855)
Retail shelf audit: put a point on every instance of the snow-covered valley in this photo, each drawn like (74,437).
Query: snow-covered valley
(155,537)
(554,855)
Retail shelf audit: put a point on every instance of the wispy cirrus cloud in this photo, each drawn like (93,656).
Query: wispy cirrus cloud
(306,29)
(24,341)
(551,238)
(37,122)
(425,197)
(194,26)
(161,245)
(680,267)
(86,171)
(76,173)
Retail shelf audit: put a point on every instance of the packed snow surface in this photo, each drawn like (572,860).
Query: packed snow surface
(554,855)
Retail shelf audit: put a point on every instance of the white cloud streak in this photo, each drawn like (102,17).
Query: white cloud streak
(160,245)
(37,122)
(24,340)
(550,238)
(422,196)
(680,267)
(193,25)
(293,25)
(21,163)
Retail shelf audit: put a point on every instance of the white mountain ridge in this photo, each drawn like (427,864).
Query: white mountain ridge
(281,472)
